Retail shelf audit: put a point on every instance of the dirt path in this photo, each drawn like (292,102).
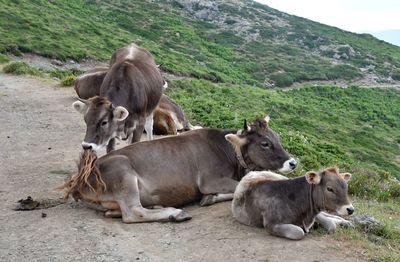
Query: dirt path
(40,138)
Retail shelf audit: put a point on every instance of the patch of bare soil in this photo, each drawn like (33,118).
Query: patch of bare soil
(40,137)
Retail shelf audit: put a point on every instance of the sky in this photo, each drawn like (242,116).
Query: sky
(357,16)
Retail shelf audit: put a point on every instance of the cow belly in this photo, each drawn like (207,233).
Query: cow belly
(170,196)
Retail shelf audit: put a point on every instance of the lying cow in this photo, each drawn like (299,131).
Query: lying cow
(288,207)
(168,116)
(130,92)
(203,164)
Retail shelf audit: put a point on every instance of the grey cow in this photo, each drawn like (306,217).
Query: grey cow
(203,164)
(129,93)
(288,207)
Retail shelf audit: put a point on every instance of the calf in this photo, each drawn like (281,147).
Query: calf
(204,164)
(289,207)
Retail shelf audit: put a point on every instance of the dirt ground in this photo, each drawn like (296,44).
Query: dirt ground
(40,137)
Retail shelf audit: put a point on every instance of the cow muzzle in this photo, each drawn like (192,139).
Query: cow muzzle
(288,166)
(90,146)
(346,210)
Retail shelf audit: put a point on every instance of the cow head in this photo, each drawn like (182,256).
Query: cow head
(258,147)
(331,190)
(102,121)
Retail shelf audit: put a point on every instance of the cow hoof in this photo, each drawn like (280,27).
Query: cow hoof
(182,216)
(347,224)
(207,200)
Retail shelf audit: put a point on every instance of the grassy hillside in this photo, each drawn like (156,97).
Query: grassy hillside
(222,41)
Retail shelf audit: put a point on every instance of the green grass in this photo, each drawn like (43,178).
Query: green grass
(22,68)
(4,59)
(379,244)
(76,29)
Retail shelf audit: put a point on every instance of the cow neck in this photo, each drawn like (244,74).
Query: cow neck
(313,203)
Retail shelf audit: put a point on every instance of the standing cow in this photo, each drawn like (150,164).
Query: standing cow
(168,117)
(130,92)
(288,207)
(204,164)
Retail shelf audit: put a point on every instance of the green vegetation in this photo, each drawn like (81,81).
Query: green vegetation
(274,46)
(22,68)
(4,59)
(380,243)
(68,80)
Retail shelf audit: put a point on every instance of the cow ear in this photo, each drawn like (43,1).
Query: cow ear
(80,106)
(235,140)
(120,113)
(313,178)
(346,176)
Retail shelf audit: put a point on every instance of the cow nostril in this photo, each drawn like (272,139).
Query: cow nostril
(350,210)
(292,164)
(86,147)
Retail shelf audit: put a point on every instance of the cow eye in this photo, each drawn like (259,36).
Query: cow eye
(265,144)
(330,189)
(104,123)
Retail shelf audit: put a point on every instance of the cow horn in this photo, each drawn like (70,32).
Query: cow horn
(268,117)
(246,126)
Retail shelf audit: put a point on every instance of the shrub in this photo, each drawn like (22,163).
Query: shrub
(20,68)
(282,79)
(4,58)
(68,80)
(396,75)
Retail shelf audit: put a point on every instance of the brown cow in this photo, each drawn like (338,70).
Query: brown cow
(288,207)
(88,84)
(168,116)
(204,164)
(130,92)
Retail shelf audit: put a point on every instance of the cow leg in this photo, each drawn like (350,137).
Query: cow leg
(148,126)
(111,145)
(132,211)
(138,131)
(330,222)
(217,190)
(287,231)
(116,213)
(207,200)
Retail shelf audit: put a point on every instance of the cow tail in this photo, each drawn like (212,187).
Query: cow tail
(87,179)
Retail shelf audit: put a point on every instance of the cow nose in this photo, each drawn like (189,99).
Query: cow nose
(293,164)
(86,146)
(350,210)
